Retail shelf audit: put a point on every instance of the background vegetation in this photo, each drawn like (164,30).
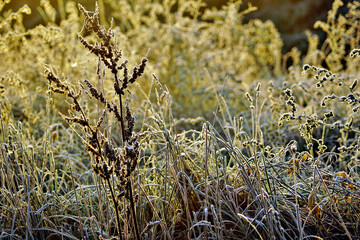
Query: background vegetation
(237,140)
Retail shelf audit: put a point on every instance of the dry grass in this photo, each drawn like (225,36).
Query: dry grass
(218,142)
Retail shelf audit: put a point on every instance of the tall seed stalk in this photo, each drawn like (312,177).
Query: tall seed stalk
(109,161)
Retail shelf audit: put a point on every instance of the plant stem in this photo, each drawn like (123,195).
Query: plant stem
(121,115)
(132,207)
(116,208)
(128,186)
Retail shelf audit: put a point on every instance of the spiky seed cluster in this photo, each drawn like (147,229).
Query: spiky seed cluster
(290,100)
(354,53)
(111,106)
(350,99)
(108,52)
(61,87)
(137,72)
(322,74)
(130,120)
(93,140)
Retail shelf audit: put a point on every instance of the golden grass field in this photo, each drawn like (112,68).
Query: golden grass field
(175,121)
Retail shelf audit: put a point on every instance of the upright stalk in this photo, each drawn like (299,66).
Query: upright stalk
(128,185)
(132,207)
(116,208)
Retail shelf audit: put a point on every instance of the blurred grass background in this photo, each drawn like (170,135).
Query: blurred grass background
(291,18)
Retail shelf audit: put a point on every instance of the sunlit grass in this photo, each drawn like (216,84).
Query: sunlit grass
(216,139)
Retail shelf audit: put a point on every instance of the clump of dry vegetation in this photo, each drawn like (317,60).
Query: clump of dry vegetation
(210,136)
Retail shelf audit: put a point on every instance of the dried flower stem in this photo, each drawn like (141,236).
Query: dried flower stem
(109,163)
(129,185)
(116,208)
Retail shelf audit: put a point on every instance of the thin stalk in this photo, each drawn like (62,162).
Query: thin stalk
(116,208)
(206,181)
(121,114)
(129,185)
(132,207)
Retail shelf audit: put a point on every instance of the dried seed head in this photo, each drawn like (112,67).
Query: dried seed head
(354,53)
(354,84)
(306,67)
(258,87)
(329,114)
(249,98)
(288,92)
